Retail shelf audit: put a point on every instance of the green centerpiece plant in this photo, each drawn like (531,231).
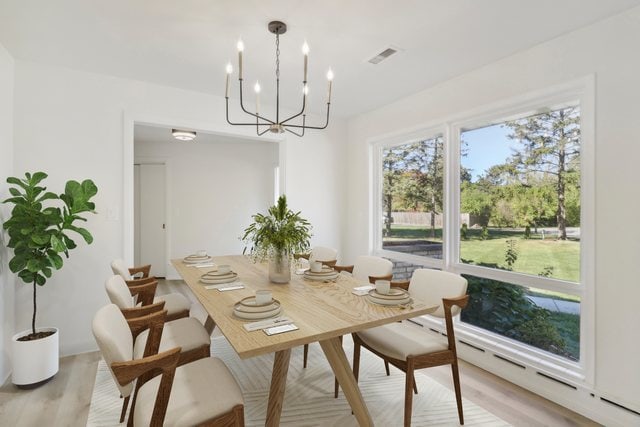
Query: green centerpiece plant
(276,236)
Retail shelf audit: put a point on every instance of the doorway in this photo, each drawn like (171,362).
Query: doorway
(150,216)
(213,185)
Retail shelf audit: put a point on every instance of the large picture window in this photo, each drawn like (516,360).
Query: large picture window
(412,197)
(500,197)
(520,186)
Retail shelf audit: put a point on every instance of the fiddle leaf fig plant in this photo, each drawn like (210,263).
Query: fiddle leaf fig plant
(281,232)
(39,228)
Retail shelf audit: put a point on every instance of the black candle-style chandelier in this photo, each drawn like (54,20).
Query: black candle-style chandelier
(277,125)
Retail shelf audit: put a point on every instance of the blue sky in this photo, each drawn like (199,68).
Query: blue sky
(486,147)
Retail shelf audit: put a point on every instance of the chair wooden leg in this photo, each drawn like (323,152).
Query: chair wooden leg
(336,386)
(386,367)
(306,354)
(415,386)
(408,394)
(125,404)
(356,359)
(456,385)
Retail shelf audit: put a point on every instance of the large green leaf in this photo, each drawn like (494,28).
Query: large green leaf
(84,233)
(34,265)
(56,244)
(48,196)
(18,182)
(55,260)
(37,177)
(17,263)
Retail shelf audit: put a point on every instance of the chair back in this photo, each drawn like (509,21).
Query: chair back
(431,286)
(118,292)
(119,267)
(114,339)
(321,253)
(366,266)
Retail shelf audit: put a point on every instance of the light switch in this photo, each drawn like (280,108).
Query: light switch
(113,214)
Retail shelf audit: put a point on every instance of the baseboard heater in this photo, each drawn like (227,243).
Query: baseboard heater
(617,405)
(549,377)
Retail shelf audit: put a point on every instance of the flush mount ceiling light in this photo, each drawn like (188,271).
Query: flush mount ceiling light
(183,135)
(278,125)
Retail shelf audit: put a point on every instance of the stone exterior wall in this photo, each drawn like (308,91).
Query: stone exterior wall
(403,270)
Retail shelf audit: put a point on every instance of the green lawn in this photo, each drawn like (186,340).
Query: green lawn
(534,255)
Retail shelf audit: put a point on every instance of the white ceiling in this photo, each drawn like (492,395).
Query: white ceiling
(187,43)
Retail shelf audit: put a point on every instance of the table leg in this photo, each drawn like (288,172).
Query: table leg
(338,360)
(278,384)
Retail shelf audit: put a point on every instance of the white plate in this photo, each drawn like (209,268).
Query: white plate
(197,260)
(394,295)
(321,278)
(217,273)
(219,281)
(257,316)
(389,302)
(325,271)
(210,276)
(248,305)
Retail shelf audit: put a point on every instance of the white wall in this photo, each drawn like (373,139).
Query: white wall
(70,124)
(6,169)
(7,298)
(608,49)
(214,185)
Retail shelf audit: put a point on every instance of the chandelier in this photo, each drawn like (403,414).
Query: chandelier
(279,125)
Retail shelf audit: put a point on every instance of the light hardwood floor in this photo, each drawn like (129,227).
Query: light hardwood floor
(64,401)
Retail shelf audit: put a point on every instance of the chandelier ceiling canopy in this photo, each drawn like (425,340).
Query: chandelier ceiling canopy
(296,123)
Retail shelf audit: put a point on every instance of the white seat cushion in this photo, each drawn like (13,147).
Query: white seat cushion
(174,303)
(187,333)
(202,390)
(401,340)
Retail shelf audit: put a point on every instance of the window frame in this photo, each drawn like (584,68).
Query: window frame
(377,210)
(578,92)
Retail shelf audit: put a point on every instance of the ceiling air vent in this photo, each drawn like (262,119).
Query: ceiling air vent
(383,55)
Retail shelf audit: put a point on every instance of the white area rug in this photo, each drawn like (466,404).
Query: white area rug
(309,395)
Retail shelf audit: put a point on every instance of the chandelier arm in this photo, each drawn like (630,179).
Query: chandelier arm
(303,126)
(295,133)
(250,113)
(263,132)
(237,124)
(304,106)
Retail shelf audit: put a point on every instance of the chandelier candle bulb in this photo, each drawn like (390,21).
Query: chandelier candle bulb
(330,78)
(305,51)
(257,90)
(240,49)
(229,71)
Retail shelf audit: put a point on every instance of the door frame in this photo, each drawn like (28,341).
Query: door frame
(130,119)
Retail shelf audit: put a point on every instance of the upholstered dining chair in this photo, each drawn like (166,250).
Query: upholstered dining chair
(327,256)
(135,275)
(408,348)
(176,304)
(367,269)
(202,392)
(184,332)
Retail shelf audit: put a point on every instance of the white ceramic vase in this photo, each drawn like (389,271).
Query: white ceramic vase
(36,361)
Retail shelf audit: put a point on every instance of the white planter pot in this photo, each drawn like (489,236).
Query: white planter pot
(34,361)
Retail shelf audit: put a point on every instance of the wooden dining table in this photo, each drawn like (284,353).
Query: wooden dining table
(323,312)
